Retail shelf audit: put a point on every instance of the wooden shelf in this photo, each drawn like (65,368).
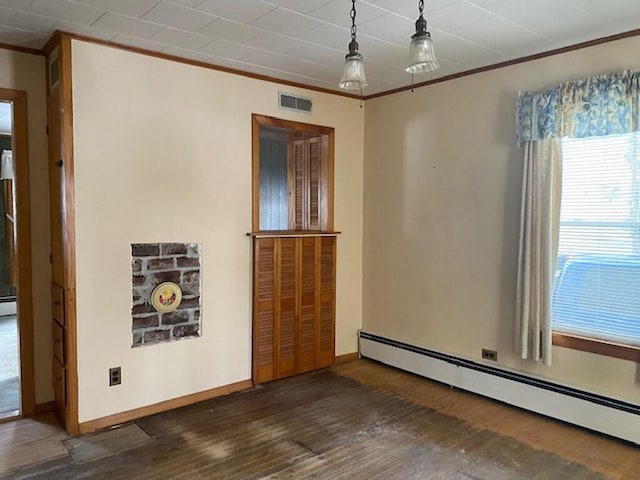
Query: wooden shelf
(292,234)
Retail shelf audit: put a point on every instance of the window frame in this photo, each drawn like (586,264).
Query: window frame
(262,121)
(595,345)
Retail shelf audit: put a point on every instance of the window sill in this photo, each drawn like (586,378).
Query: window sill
(600,347)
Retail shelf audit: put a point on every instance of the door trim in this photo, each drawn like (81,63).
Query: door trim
(20,147)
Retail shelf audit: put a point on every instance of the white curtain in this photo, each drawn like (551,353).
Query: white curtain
(539,227)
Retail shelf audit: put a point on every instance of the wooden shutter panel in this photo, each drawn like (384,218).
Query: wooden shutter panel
(297,188)
(264,309)
(286,326)
(327,300)
(314,166)
(307,328)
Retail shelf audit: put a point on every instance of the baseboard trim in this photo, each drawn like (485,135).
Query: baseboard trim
(595,412)
(123,417)
(46,407)
(346,358)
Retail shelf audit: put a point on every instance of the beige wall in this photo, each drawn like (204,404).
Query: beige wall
(442,198)
(21,71)
(162,154)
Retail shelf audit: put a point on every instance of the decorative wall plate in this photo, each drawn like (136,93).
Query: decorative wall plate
(166,297)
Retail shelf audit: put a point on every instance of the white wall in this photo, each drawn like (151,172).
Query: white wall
(22,71)
(442,203)
(163,154)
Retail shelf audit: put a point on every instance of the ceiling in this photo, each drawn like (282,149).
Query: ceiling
(305,41)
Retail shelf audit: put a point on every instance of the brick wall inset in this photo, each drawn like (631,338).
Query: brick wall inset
(152,264)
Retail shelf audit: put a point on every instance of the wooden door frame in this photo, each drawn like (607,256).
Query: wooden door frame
(328,133)
(20,148)
(64,159)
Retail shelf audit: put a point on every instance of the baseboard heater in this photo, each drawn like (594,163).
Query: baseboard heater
(595,412)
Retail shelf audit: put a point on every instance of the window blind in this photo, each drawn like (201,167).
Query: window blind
(597,287)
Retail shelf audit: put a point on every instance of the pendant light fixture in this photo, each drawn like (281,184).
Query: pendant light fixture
(422,56)
(353,77)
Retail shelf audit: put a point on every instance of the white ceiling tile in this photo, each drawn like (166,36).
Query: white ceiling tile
(78,29)
(621,24)
(252,68)
(386,72)
(276,43)
(383,51)
(298,6)
(16,4)
(180,38)
(388,26)
(186,3)
(25,20)
(286,22)
(230,30)
(244,11)
(228,63)
(292,65)
(262,57)
(227,49)
(610,11)
(179,17)
(506,37)
(135,8)
(381,86)
(22,38)
(455,16)
(410,9)
(310,70)
(558,20)
(319,54)
(65,10)
(139,43)
(463,52)
(188,54)
(127,25)
(338,13)
(327,35)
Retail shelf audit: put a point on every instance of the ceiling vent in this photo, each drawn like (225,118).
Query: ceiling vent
(286,101)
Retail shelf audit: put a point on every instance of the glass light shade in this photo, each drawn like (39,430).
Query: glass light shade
(353,77)
(422,56)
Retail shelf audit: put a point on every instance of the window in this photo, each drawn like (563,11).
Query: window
(294,182)
(597,287)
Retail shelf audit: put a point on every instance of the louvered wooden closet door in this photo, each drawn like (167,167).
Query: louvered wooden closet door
(294,305)
(264,292)
(286,316)
(327,301)
(308,315)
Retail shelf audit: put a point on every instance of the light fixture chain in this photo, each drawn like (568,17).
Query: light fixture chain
(353,19)
(421,6)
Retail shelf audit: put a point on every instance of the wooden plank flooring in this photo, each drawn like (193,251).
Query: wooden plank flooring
(360,420)
(30,441)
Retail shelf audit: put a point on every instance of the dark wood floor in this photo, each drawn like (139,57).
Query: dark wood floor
(360,420)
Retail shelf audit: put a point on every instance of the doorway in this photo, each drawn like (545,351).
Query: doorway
(294,268)
(10,403)
(16,326)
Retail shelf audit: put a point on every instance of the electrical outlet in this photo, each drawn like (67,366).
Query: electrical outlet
(115,376)
(490,355)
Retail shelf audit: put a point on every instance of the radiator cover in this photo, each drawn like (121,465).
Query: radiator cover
(594,412)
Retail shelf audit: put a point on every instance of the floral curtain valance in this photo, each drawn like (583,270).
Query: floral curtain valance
(600,105)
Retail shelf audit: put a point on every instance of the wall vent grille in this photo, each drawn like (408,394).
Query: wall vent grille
(287,101)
